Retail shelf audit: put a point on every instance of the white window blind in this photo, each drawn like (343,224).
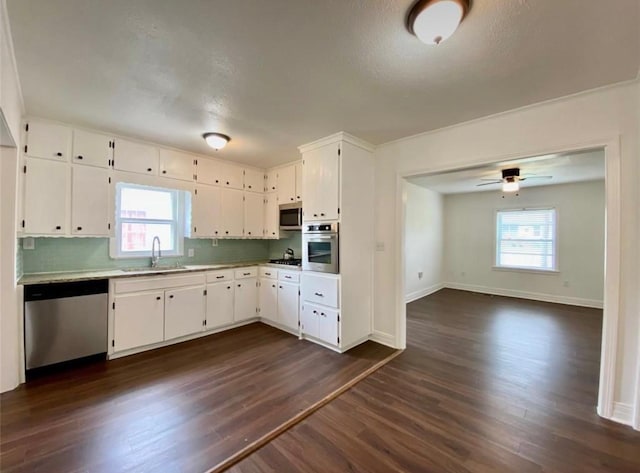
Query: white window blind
(526,239)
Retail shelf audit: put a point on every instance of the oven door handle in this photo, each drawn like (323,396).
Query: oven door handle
(314,238)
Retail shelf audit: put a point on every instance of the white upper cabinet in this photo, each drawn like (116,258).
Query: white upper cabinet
(253,180)
(218,173)
(271,182)
(46,188)
(321,183)
(253,215)
(206,212)
(233,176)
(232,213)
(176,165)
(135,157)
(271,216)
(90,203)
(299,182)
(287,184)
(93,149)
(48,140)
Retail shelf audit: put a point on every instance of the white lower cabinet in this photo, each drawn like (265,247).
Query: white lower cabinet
(320,322)
(246,298)
(268,297)
(138,320)
(184,310)
(288,303)
(220,298)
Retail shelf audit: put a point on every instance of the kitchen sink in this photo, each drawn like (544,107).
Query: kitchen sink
(149,269)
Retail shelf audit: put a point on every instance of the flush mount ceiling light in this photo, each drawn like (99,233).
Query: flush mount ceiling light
(510,185)
(433,21)
(216,140)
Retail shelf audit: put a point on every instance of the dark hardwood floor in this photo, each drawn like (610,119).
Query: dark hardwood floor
(183,408)
(487,384)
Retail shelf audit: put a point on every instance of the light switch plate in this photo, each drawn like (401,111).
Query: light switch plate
(191,252)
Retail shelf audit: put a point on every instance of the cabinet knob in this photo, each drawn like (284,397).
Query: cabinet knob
(80,157)
(217,181)
(249,186)
(58,227)
(171,296)
(216,232)
(228,287)
(227,182)
(291,198)
(158,298)
(273,285)
(79,228)
(58,154)
(249,233)
(280,287)
(226,233)
(164,171)
(239,285)
(315,215)
(149,169)
(315,311)
(322,215)
(298,197)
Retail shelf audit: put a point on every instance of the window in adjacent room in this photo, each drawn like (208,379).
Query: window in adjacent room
(526,239)
(143,213)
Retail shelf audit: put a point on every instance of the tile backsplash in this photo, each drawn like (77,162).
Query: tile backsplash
(78,254)
(291,240)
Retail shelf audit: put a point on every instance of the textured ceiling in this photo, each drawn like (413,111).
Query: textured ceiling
(563,168)
(276,74)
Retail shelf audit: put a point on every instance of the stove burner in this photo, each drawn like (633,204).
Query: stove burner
(288,262)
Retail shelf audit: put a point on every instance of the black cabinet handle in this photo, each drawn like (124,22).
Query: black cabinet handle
(158,298)
(217,181)
(292,198)
(315,215)
(298,196)
(228,287)
(80,157)
(227,182)
(273,285)
(171,296)
(322,215)
(227,233)
(246,274)
(164,171)
(216,232)
(149,169)
(322,314)
(287,277)
(219,277)
(280,287)
(79,228)
(267,274)
(319,294)
(239,285)
(249,186)
(58,154)
(249,233)
(58,227)
(315,311)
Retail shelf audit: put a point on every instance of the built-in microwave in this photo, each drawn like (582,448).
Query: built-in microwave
(320,245)
(291,216)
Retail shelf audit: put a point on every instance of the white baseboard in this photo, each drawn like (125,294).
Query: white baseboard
(622,413)
(383,338)
(536,296)
(412,296)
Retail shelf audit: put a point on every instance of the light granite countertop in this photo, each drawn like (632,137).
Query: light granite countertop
(70,276)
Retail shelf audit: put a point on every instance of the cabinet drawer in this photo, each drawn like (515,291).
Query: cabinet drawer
(320,289)
(137,284)
(268,273)
(243,273)
(289,276)
(219,276)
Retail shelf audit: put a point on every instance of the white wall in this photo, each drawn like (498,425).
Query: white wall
(423,241)
(571,122)
(470,243)
(11,107)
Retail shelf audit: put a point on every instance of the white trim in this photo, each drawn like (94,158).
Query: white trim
(6,27)
(622,413)
(335,138)
(415,295)
(383,338)
(534,296)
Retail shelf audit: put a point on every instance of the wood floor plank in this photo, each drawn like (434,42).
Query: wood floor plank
(486,384)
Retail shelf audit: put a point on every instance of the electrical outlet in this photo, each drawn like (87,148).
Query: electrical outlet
(214,242)
(28,243)
(191,252)
(420,274)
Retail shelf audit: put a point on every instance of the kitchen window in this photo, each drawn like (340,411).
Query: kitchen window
(526,239)
(144,212)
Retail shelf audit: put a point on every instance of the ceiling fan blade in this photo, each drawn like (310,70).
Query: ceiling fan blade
(492,180)
(537,177)
(489,183)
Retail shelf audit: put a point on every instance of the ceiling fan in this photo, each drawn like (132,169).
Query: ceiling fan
(511,179)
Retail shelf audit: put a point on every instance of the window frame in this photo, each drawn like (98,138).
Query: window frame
(178,222)
(496,267)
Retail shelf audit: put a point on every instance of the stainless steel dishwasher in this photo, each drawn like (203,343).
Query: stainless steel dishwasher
(64,321)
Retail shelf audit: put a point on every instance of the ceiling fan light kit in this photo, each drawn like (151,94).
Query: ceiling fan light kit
(433,21)
(216,140)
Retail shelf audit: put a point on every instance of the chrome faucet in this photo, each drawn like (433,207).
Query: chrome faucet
(155,259)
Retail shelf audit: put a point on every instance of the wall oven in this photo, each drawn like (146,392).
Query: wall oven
(291,216)
(320,247)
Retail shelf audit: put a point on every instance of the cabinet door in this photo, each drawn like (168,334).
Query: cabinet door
(92,149)
(287,184)
(298,182)
(268,298)
(90,201)
(253,215)
(253,180)
(48,140)
(138,320)
(232,213)
(46,185)
(288,303)
(183,311)
(135,157)
(321,183)
(245,299)
(328,325)
(220,304)
(206,212)
(233,176)
(210,172)
(309,320)
(271,183)
(176,165)
(271,216)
